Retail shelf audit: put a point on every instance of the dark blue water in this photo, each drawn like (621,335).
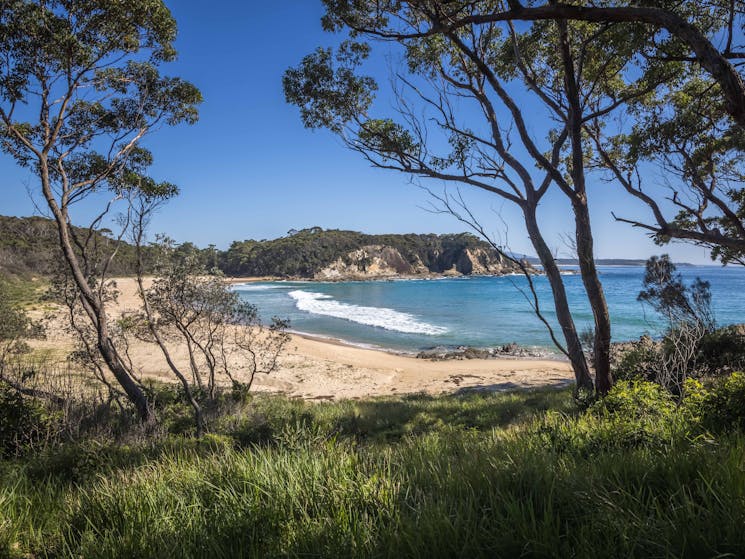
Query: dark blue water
(479,311)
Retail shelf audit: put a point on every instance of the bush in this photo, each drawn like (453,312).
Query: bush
(717,353)
(722,407)
(633,415)
(24,422)
(635,400)
(723,350)
(639,362)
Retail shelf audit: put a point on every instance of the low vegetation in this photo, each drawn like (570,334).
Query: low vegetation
(476,475)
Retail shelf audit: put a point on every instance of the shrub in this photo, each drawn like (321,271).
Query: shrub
(722,408)
(24,422)
(636,414)
(639,362)
(723,350)
(635,400)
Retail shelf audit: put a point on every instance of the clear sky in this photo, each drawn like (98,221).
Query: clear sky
(249,169)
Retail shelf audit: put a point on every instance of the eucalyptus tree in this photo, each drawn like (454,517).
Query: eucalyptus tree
(80,88)
(571,71)
(683,157)
(710,33)
(693,130)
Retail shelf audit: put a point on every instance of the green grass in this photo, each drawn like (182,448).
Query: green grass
(499,475)
(23,291)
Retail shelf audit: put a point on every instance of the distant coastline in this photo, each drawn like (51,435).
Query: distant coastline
(455,313)
(605,262)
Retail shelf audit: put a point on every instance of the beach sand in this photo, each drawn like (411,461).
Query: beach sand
(320,369)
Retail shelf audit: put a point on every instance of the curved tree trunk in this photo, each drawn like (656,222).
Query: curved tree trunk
(92,304)
(124,378)
(596,296)
(561,304)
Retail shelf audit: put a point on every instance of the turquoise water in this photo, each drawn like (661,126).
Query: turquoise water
(410,315)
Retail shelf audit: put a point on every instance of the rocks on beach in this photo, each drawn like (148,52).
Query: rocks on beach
(441,353)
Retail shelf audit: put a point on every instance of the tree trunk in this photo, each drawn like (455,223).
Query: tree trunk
(582,226)
(596,296)
(132,390)
(92,304)
(561,304)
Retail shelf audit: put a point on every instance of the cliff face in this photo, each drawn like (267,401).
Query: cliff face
(380,261)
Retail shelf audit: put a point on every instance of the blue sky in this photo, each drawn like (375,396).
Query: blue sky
(249,169)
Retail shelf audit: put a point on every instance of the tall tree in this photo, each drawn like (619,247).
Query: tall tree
(693,130)
(80,87)
(570,70)
(700,27)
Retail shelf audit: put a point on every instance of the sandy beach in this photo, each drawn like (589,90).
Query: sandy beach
(320,369)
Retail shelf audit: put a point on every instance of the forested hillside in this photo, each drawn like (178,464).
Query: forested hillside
(306,253)
(28,246)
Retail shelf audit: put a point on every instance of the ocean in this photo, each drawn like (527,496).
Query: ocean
(411,315)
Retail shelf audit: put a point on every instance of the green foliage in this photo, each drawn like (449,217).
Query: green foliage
(686,129)
(495,475)
(723,350)
(678,303)
(303,253)
(639,361)
(388,138)
(635,400)
(325,87)
(632,415)
(721,407)
(716,353)
(30,246)
(108,53)
(14,323)
(24,422)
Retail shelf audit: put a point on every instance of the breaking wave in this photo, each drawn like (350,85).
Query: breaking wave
(318,303)
(252,287)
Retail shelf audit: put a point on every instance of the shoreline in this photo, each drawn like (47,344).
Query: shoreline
(450,352)
(510,351)
(362,279)
(313,367)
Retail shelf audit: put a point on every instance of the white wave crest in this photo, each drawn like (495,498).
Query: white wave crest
(318,303)
(252,287)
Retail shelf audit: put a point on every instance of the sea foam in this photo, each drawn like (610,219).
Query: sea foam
(381,317)
(253,287)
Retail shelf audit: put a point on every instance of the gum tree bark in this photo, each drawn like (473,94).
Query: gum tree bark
(561,304)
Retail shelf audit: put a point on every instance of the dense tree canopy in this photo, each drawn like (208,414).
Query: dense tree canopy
(306,252)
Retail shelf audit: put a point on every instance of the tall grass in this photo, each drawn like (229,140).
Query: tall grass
(475,476)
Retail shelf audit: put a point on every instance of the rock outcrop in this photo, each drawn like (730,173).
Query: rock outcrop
(334,254)
(381,262)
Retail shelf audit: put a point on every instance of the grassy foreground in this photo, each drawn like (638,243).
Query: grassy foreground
(499,475)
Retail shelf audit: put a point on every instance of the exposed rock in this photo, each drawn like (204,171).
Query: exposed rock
(441,353)
(381,262)
(372,261)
